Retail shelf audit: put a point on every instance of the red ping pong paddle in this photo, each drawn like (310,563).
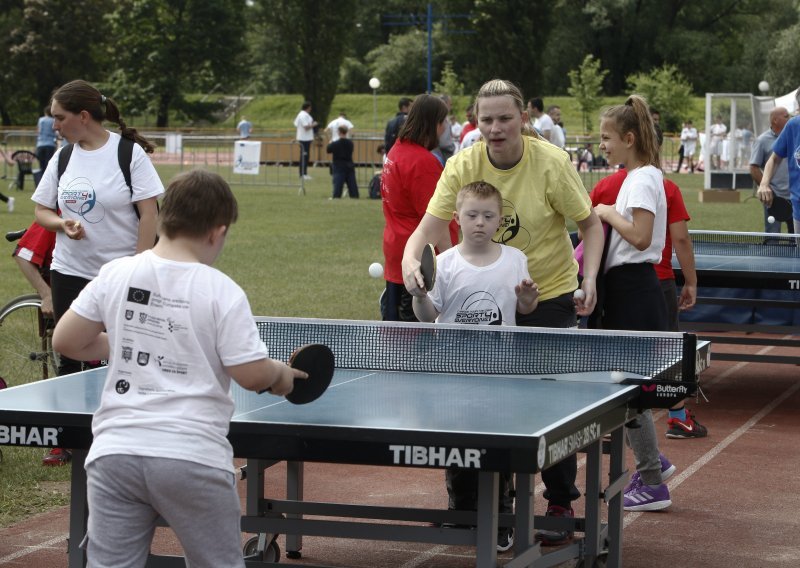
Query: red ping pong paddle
(781,209)
(428,266)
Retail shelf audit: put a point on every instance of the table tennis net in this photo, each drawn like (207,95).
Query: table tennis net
(481,350)
(724,243)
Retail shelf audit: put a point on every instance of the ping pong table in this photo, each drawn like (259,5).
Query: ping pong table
(493,399)
(747,282)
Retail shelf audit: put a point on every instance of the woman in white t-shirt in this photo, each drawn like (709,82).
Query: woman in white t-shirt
(97,217)
(633,299)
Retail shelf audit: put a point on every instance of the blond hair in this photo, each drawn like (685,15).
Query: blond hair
(503,88)
(479,190)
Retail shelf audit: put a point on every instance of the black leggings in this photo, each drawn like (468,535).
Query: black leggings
(65,289)
(634,299)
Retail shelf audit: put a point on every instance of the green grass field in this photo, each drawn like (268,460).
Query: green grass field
(301,256)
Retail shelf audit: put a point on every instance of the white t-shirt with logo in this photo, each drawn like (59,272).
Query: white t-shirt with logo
(643,188)
(478,295)
(172,327)
(92,190)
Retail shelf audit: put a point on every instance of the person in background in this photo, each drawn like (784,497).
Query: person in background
(409,178)
(333,126)
(33,255)
(245,127)
(394,125)
(45,138)
(558,138)
(305,135)
(342,167)
(541,121)
(779,183)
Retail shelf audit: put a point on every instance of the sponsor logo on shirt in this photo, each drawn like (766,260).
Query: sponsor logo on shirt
(138,296)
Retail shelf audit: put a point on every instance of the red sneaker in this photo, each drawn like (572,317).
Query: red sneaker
(57,456)
(689,428)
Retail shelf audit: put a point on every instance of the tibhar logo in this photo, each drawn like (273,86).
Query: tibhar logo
(436,456)
(28,436)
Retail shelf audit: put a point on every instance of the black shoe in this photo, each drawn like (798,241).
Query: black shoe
(556,537)
(505,539)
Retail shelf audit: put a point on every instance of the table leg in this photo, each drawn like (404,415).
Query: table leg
(488,488)
(78,510)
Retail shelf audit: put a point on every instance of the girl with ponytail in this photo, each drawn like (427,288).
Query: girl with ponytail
(90,206)
(633,299)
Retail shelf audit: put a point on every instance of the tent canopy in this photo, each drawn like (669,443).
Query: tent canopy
(789,101)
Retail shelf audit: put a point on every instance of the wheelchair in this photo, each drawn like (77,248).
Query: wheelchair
(25,161)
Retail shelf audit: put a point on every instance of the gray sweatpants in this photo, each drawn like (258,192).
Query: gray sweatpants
(644,443)
(126,495)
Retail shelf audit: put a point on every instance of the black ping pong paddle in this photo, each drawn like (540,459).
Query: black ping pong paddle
(781,209)
(428,266)
(317,361)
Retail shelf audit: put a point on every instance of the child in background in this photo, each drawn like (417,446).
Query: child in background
(479,282)
(633,297)
(160,445)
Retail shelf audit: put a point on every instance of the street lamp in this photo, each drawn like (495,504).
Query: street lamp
(763,86)
(374,83)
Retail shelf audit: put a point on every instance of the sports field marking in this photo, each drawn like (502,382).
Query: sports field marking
(25,551)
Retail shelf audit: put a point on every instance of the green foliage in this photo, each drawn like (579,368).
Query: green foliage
(449,84)
(667,90)
(401,64)
(586,86)
(783,63)
(353,76)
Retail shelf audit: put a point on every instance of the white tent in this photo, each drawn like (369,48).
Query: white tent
(789,101)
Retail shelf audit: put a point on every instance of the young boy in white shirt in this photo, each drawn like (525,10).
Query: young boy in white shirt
(479,282)
(177,331)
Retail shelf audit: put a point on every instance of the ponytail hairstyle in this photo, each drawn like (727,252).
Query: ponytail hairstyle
(78,95)
(503,88)
(634,116)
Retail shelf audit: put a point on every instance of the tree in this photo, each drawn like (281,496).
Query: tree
(783,64)
(306,43)
(401,64)
(450,84)
(667,90)
(586,84)
(170,47)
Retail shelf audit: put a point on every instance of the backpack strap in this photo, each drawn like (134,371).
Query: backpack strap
(125,157)
(63,159)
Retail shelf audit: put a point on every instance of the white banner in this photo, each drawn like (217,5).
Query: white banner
(246,156)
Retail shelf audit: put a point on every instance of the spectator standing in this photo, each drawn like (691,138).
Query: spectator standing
(468,126)
(305,125)
(447,146)
(542,122)
(245,127)
(558,138)
(394,125)
(689,143)
(717,132)
(342,167)
(45,138)
(333,126)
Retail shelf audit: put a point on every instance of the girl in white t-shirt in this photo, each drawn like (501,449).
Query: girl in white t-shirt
(96,215)
(633,299)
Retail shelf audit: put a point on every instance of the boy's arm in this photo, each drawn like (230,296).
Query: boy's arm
(264,374)
(79,338)
(527,296)
(423,309)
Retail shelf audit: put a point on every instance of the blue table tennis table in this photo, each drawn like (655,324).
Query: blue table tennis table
(747,282)
(416,395)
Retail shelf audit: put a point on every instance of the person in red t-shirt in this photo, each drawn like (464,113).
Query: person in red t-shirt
(681,422)
(33,255)
(408,180)
(470,125)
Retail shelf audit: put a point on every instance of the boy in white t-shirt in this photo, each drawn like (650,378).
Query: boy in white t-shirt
(479,282)
(177,331)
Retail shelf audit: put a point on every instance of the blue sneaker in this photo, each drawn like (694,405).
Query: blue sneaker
(643,497)
(667,469)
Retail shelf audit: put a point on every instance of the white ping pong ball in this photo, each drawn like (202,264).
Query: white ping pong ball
(376,270)
(579,294)
(617,376)
(770,219)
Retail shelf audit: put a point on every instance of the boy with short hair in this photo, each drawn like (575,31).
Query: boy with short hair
(479,282)
(178,330)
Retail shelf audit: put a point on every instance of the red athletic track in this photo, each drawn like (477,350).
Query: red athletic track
(736,493)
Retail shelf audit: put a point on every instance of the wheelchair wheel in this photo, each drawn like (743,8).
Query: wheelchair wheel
(26,348)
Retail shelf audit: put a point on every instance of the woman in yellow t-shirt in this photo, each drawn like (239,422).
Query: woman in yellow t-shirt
(540,190)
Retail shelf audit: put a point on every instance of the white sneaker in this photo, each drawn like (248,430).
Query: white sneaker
(307,177)
(10,204)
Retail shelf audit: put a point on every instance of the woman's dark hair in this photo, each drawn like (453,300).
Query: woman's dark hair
(78,95)
(422,123)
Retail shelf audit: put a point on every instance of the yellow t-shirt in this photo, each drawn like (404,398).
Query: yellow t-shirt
(539,193)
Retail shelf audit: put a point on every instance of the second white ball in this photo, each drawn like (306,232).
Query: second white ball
(376,270)
(579,294)
(770,219)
